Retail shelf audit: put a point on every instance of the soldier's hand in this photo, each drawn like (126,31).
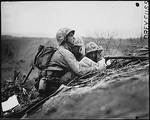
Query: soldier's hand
(108,62)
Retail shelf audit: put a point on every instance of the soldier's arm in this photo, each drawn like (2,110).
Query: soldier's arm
(86,62)
(75,65)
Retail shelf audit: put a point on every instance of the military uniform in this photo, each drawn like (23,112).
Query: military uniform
(63,65)
(88,62)
(62,62)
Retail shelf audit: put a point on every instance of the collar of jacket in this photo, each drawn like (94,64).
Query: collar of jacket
(66,46)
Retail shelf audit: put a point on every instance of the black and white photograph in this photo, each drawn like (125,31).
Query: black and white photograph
(74,60)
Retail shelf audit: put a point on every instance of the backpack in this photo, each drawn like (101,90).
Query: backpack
(43,58)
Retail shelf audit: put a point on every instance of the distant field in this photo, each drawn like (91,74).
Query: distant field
(18,52)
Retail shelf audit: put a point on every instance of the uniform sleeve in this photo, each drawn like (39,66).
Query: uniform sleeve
(75,65)
(101,64)
(86,62)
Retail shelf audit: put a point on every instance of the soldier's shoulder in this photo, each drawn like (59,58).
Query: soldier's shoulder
(64,51)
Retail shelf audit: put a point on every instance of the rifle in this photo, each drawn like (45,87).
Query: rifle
(132,58)
(39,50)
(126,57)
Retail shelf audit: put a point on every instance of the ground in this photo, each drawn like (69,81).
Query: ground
(123,94)
(114,93)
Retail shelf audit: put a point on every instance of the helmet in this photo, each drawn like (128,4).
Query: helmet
(90,47)
(100,48)
(77,42)
(62,34)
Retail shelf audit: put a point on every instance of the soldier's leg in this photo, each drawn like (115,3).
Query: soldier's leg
(52,85)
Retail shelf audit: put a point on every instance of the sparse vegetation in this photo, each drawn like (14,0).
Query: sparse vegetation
(17,49)
(18,52)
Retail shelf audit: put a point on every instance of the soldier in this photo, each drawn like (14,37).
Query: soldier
(93,54)
(78,48)
(93,51)
(63,62)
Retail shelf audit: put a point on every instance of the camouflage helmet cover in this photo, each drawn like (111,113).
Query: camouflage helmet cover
(91,46)
(62,34)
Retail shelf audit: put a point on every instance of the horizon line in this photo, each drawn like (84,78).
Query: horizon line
(81,36)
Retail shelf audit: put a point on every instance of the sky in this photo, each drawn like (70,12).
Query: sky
(121,19)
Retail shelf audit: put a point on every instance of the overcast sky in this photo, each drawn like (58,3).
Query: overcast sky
(89,18)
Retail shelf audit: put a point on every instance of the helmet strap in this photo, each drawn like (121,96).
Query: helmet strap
(69,44)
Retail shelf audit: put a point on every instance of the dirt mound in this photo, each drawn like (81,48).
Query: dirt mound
(119,95)
(114,93)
